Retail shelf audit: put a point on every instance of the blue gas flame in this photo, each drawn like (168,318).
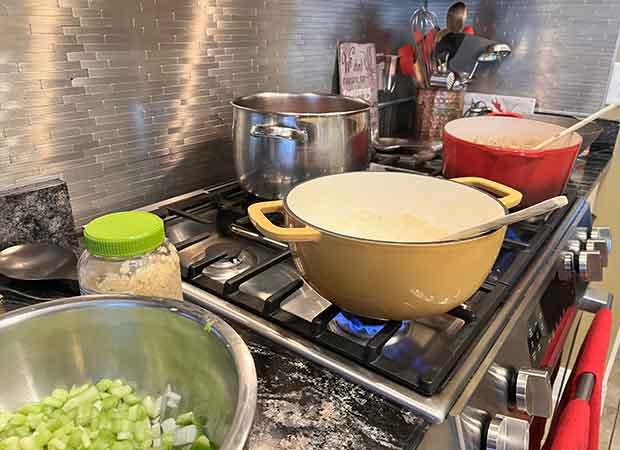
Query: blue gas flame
(356,326)
(513,235)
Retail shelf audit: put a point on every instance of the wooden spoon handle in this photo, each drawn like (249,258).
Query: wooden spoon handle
(575,127)
(533,211)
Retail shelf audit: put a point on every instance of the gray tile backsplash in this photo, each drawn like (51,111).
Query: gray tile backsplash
(129,99)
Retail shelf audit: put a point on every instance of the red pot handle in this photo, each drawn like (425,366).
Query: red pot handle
(506,114)
(516,115)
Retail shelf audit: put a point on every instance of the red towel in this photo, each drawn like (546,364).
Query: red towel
(591,359)
(573,427)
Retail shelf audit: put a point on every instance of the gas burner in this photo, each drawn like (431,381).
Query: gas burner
(361,329)
(234,260)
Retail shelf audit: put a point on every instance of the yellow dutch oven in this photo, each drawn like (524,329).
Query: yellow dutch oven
(370,242)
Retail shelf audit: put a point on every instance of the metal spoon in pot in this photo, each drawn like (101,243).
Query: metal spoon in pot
(38,262)
(537,210)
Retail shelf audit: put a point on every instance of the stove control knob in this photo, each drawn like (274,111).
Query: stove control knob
(603,233)
(508,433)
(595,299)
(566,270)
(534,393)
(599,245)
(581,234)
(590,266)
(574,246)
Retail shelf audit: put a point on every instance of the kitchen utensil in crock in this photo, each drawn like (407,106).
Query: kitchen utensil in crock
(533,211)
(456,17)
(364,223)
(575,127)
(423,22)
(38,261)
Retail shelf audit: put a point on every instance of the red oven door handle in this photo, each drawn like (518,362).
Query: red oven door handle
(590,362)
(573,427)
(550,360)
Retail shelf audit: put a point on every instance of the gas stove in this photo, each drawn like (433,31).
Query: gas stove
(234,262)
(426,365)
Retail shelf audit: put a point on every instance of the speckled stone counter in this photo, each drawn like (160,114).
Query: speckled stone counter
(302,406)
(39,212)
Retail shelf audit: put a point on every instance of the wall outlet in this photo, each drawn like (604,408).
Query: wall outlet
(613,93)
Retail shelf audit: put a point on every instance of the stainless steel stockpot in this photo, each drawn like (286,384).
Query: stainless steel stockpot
(280,140)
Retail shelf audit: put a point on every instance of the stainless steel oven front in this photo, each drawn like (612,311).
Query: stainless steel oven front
(509,398)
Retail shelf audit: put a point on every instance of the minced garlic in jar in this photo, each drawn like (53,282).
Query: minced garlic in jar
(128,253)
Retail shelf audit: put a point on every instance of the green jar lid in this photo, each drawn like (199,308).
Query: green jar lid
(127,233)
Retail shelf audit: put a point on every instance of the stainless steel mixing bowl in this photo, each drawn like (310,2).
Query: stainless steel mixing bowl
(149,343)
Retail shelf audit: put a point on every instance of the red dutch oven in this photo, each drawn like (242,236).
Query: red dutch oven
(499,149)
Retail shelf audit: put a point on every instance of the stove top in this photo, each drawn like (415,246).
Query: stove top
(223,254)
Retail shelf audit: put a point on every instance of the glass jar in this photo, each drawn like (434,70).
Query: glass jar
(128,253)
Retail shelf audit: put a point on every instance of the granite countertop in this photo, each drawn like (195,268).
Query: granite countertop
(303,406)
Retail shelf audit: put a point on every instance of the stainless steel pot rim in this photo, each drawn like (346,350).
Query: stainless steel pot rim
(366,106)
(394,243)
(244,363)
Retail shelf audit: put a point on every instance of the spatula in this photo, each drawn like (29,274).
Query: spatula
(527,213)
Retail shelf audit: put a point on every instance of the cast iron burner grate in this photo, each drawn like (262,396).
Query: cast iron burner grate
(420,354)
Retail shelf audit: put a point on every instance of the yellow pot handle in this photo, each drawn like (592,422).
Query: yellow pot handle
(509,197)
(257,215)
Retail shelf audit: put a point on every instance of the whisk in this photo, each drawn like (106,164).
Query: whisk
(422,22)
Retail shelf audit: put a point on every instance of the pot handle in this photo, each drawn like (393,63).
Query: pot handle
(516,115)
(278,132)
(257,215)
(509,197)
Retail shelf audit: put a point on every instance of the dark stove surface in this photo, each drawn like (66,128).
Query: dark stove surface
(233,261)
(16,294)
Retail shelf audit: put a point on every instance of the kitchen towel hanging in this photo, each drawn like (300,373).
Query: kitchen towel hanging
(573,415)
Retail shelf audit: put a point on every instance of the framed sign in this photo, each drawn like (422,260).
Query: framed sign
(357,69)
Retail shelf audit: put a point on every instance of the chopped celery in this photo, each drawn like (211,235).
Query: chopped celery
(186,419)
(5,418)
(110,402)
(168,425)
(28,443)
(122,445)
(104,416)
(10,443)
(18,419)
(124,435)
(120,391)
(56,444)
(42,435)
(152,407)
(22,431)
(53,402)
(202,443)
(88,395)
(31,408)
(131,399)
(60,394)
(104,384)
(185,435)
(77,390)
